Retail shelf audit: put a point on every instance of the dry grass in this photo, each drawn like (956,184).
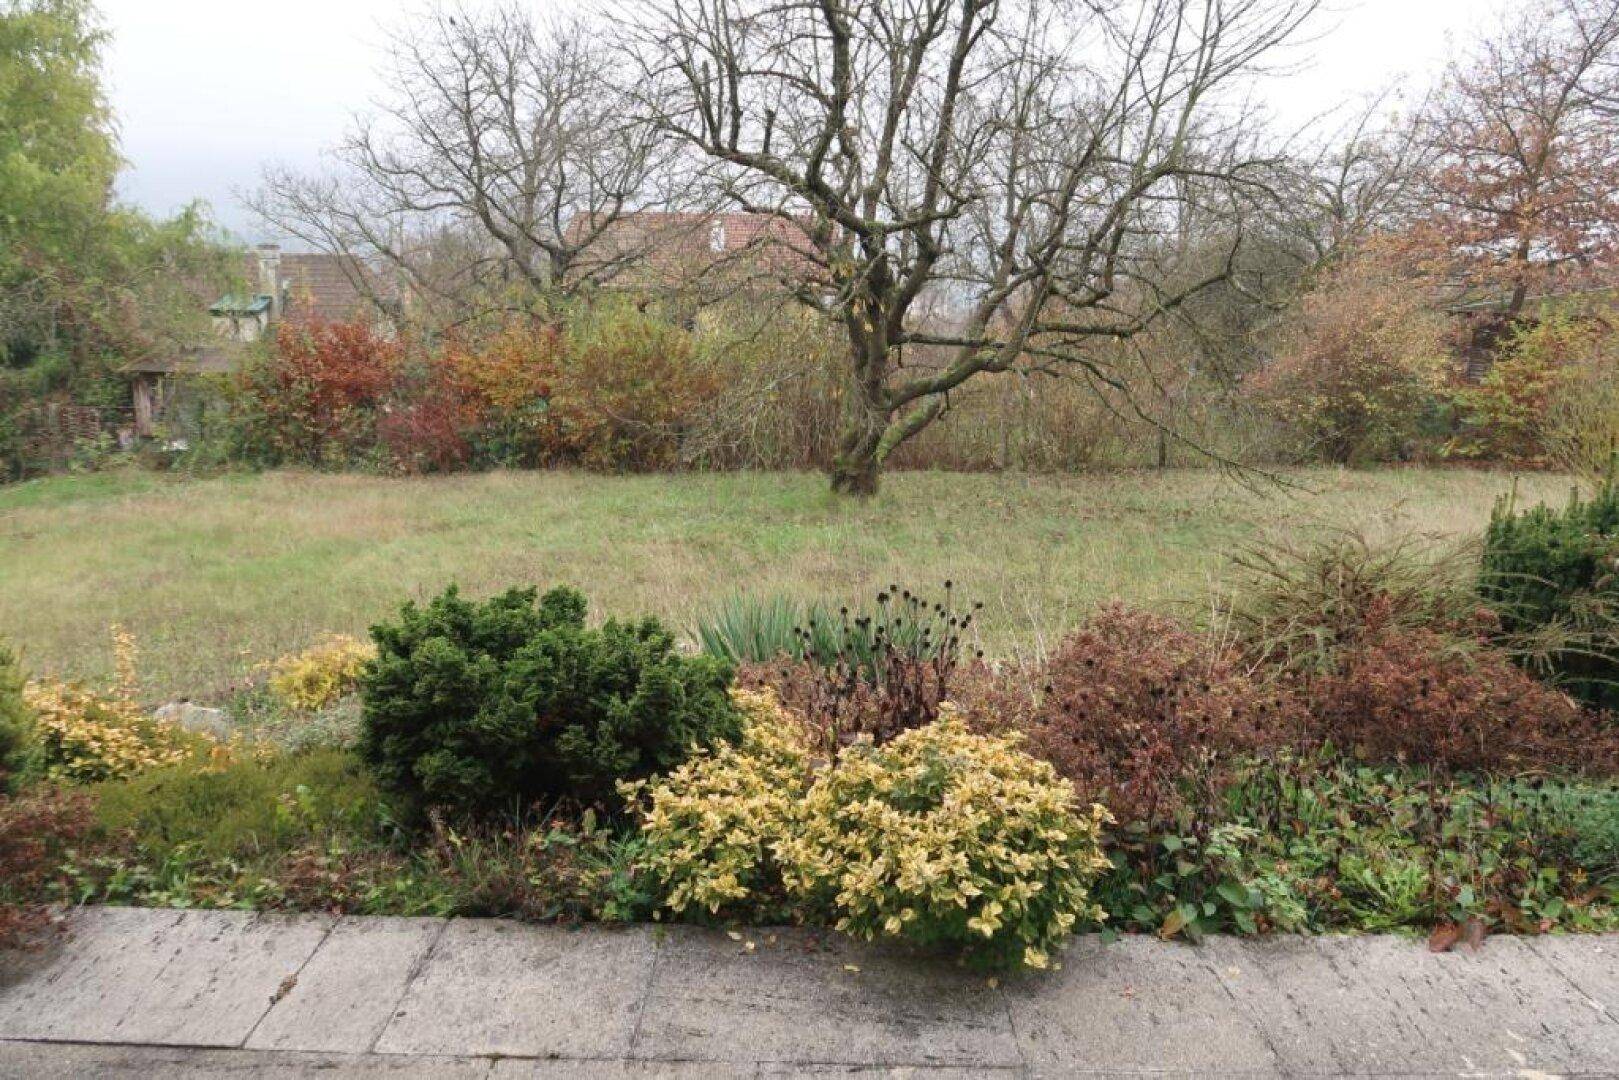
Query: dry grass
(214,575)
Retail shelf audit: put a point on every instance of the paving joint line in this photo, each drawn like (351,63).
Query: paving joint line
(278,997)
(416,969)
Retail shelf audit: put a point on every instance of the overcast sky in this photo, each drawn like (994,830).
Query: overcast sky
(207,93)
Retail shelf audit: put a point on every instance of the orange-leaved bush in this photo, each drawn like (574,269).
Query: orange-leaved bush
(1143,714)
(1423,698)
(314,397)
(1356,367)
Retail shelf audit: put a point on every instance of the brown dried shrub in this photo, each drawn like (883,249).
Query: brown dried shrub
(1425,698)
(1143,714)
(34,831)
(838,707)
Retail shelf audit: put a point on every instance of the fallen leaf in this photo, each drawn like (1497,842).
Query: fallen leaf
(1444,937)
(1475,933)
(284,989)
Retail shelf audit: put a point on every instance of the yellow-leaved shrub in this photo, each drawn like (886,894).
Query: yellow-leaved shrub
(942,837)
(313,679)
(948,837)
(85,736)
(711,825)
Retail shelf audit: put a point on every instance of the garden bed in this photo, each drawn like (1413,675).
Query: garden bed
(1365,737)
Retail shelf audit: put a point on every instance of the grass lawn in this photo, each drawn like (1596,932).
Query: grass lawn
(215,575)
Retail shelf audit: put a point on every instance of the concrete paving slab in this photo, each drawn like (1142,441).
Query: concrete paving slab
(1388,1005)
(781,1071)
(1508,996)
(494,987)
(1590,963)
(527,1069)
(1110,1000)
(795,999)
(348,991)
(75,1061)
(226,968)
(83,982)
(119,995)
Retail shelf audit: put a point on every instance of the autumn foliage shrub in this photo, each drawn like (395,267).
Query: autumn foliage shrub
(1415,697)
(1509,415)
(1143,714)
(316,396)
(1356,367)
(629,391)
(36,829)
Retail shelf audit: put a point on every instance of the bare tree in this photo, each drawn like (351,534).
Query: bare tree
(1525,185)
(1021,166)
(1363,179)
(502,153)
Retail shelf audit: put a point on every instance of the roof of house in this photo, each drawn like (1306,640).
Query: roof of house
(321,287)
(674,249)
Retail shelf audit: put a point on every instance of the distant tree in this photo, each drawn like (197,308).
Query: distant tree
(987,185)
(502,153)
(1524,187)
(1356,362)
(1361,181)
(85,284)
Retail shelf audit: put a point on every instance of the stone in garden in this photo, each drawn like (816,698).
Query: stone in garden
(198,719)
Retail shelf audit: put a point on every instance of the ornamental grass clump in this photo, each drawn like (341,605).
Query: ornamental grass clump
(943,837)
(1553,576)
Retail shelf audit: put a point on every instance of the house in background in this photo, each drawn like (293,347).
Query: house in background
(283,287)
(707,257)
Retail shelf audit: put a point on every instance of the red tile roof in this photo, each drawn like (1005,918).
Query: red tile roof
(321,287)
(654,249)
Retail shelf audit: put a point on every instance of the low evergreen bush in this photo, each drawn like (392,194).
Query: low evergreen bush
(18,745)
(1553,577)
(478,707)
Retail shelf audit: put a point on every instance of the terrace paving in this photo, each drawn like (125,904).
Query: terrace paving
(130,992)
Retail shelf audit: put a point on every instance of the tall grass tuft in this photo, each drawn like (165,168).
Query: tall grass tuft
(1301,605)
(750,629)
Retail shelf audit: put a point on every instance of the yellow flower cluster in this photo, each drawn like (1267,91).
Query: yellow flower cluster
(86,736)
(710,824)
(318,676)
(941,837)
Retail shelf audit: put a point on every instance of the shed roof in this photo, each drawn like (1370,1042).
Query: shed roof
(220,359)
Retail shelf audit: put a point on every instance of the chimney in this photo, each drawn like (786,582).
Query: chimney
(270,277)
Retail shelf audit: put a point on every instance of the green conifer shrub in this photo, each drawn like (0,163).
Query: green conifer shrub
(483,706)
(1553,577)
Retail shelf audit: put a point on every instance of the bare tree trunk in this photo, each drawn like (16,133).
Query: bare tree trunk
(858,462)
